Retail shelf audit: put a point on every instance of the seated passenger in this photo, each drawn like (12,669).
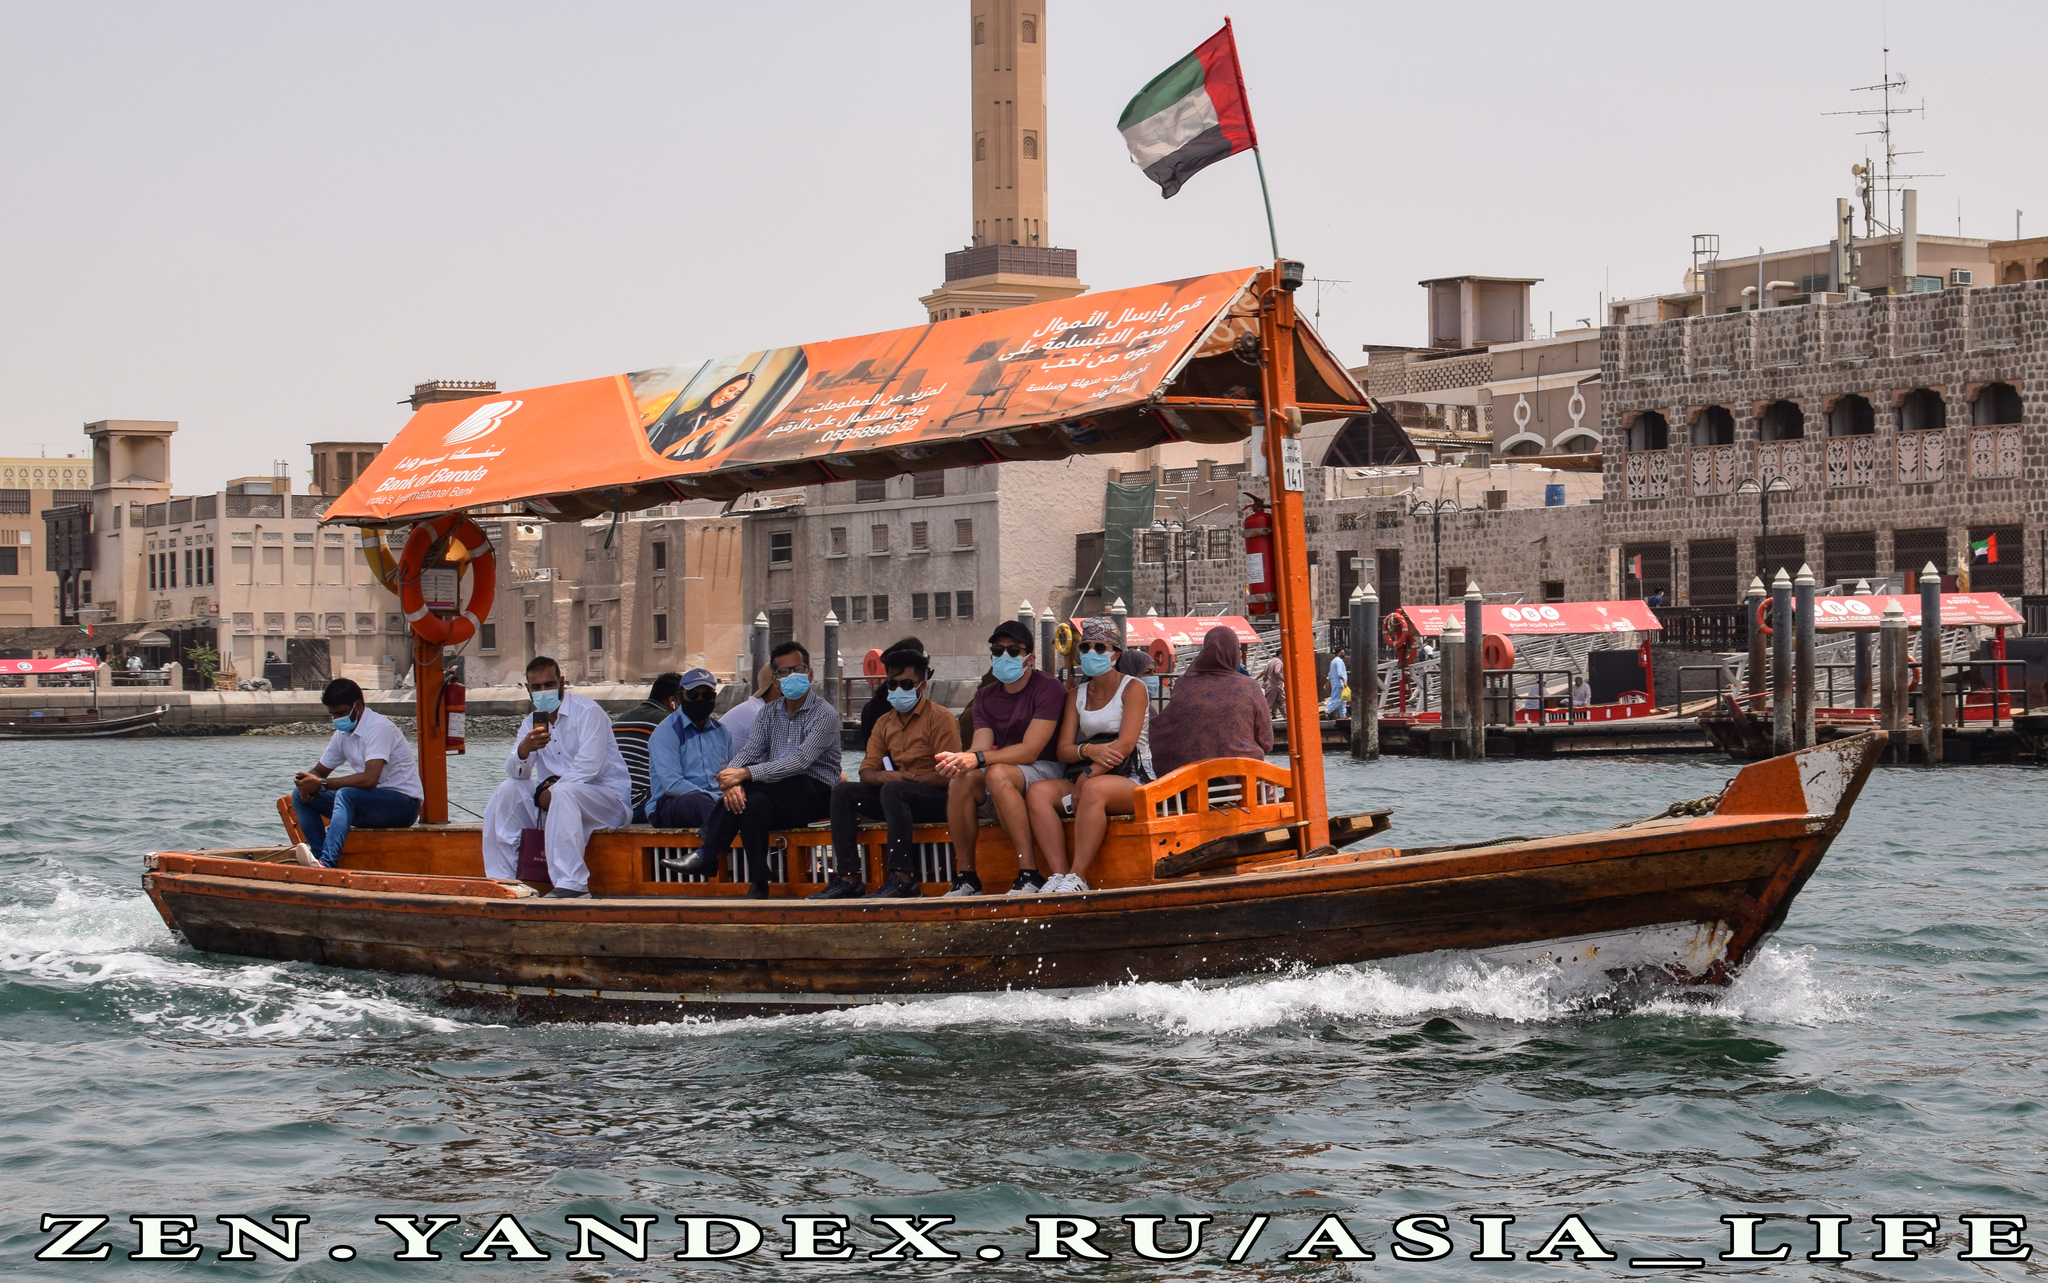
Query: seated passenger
(783,777)
(563,776)
(1215,711)
(739,719)
(1103,737)
(684,756)
(1015,715)
(381,791)
(632,728)
(877,706)
(899,781)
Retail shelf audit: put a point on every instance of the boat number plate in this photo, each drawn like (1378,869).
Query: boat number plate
(1290,463)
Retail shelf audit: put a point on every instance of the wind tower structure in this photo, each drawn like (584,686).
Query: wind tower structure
(1010,259)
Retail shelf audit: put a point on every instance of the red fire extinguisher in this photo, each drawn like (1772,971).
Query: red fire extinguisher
(1262,584)
(455,709)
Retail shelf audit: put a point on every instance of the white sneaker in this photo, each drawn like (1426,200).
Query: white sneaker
(1073,883)
(304,855)
(961,886)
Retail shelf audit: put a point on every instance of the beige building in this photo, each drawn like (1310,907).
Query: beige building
(28,487)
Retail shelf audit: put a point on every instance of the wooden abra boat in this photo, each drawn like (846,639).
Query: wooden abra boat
(1225,867)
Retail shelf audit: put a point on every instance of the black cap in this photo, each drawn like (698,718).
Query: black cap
(1011,630)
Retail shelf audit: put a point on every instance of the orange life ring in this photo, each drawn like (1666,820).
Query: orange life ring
(1398,631)
(1407,650)
(871,664)
(431,628)
(1161,651)
(1763,616)
(1496,652)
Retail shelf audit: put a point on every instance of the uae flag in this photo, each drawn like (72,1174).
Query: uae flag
(1192,115)
(1985,549)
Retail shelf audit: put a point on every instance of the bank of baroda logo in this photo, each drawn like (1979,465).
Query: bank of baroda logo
(481,422)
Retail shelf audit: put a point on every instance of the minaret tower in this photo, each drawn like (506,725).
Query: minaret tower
(1009,259)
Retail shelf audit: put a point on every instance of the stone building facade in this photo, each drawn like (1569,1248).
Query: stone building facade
(1906,427)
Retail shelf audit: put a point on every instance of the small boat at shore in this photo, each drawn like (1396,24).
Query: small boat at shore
(78,724)
(1223,868)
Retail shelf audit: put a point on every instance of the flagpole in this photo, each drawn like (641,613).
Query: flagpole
(1271,234)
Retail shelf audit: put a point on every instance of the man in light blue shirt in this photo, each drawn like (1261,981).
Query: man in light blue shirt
(684,756)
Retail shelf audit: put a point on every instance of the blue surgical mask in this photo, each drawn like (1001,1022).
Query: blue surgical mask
(795,686)
(1007,668)
(344,724)
(1152,687)
(1095,664)
(903,701)
(547,701)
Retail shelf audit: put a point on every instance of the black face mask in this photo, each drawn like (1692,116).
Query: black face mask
(698,708)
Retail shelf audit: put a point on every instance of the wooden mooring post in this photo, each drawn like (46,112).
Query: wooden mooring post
(1365,673)
(1933,711)
(1781,664)
(1802,707)
(1895,703)
(1475,672)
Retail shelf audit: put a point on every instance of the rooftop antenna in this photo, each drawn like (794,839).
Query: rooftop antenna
(1319,282)
(1887,87)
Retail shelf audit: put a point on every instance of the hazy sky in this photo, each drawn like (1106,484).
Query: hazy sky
(268,221)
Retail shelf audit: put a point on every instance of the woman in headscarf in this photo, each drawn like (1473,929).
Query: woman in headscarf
(1215,711)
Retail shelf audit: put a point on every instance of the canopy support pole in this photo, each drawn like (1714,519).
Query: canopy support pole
(432,731)
(1296,611)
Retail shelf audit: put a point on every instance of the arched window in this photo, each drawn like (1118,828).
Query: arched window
(1650,431)
(1922,411)
(1030,32)
(1781,421)
(980,31)
(2014,273)
(981,146)
(1031,146)
(1581,444)
(1996,403)
(1523,450)
(1715,426)
(1852,417)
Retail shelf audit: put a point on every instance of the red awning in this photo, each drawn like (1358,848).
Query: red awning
(72,665)
(1958,610)
(1182,630)
(1553,619)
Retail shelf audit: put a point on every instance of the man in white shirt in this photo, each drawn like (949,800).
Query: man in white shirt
(382,790)
(565,776)
(1582,693)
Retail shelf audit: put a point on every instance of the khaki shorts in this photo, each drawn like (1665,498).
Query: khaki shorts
(1034,772)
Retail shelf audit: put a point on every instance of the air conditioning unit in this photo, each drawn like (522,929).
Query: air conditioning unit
(1959,276)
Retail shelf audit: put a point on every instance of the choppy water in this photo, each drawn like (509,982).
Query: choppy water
(1883,1056)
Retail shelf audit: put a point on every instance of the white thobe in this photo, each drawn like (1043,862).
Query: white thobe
(595,792)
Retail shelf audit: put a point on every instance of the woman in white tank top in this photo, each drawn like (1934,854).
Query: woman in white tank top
(1106,704)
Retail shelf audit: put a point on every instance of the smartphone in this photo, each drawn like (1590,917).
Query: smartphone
(545,719)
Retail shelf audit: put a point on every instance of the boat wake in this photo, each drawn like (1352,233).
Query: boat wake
(116,948)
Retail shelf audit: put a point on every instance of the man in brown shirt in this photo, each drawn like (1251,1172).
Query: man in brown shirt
(899,781)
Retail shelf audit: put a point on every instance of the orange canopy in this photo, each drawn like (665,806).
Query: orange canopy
(1084,376)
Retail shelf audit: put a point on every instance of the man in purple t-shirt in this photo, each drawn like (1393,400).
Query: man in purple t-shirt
(1014,718)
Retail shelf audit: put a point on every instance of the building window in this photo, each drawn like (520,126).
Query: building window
(1913,549)
(659,549)
(1031,146)
(838,607)
(980,31)
(1715,426)
(1219,545)
(963,533)
(981,146)
(1030,30)
(870,491)
(487,637)
(1996,403)
(10,561)
(1922,410)
(838,541)
(529,604)
(942,605)
(920,606)
(860,610)
(1650,431)
(781,627)
(1454,583)
(963,605)
(781,547)
(878,538)
(928,485)
(16,501)
(152,572)
(596,638)
(1553,590)
(920,536)
(1847,556)
(1852,417)
(881,602)
(1781,421)
(661,630)
(2003,574)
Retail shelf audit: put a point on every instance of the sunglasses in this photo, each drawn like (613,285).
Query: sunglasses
(902,684)
(1099,648)
(804,669)
(1014,651)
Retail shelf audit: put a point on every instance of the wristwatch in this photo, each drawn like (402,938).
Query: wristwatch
(980,759)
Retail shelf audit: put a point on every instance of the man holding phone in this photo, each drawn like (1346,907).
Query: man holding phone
(564,776)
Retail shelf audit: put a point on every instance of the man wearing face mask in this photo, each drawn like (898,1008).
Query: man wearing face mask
(564,775)
(382,790)
(899,781)
(684,756)
(635,727)
(1014,720)
(783,777)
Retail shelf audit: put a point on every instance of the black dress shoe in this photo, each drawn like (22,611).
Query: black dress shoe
(756,891)
(898,886)
(564,893)
(839,889)
(698,861)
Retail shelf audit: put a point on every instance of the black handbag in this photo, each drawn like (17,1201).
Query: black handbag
(1075,770)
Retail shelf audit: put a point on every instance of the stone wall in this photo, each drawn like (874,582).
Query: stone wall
(1952,342)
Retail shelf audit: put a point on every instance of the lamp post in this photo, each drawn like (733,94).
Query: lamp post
(1436,508)
(1764,490)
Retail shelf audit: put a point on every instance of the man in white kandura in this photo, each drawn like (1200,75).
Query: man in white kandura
(565,775)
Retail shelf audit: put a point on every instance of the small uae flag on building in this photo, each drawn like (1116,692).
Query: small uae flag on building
(1192,115)
(1985,550)
(1635,567)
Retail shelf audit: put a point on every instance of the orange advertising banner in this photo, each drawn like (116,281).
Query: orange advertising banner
(824,411)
